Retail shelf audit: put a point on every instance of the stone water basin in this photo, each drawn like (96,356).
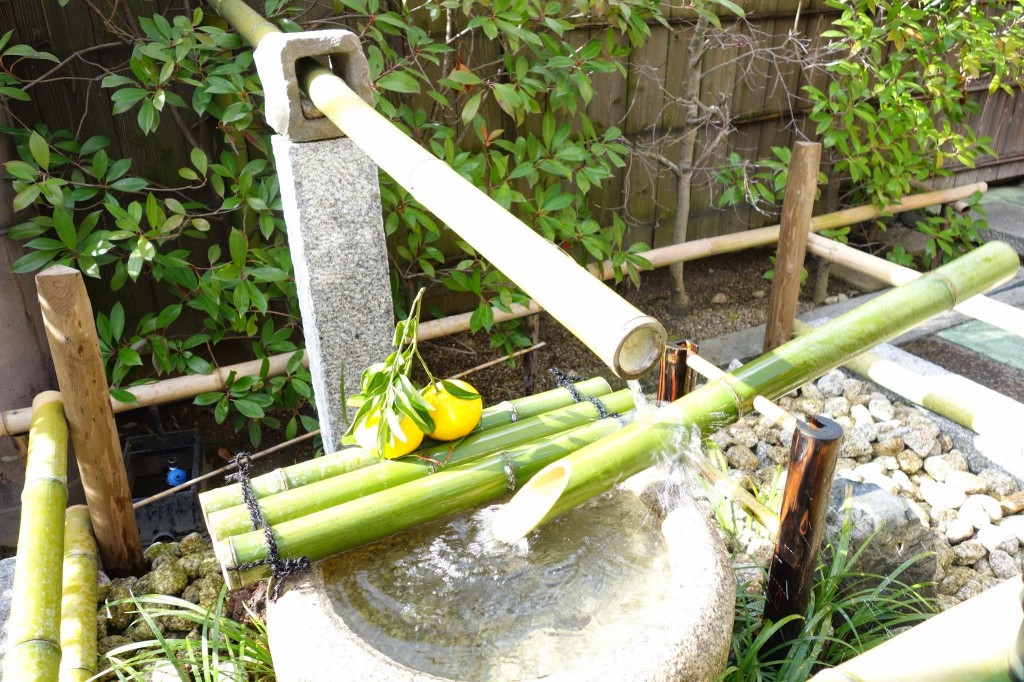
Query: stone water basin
(635,585)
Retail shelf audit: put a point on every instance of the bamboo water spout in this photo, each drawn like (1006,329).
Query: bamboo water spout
(625,339)
(596,468)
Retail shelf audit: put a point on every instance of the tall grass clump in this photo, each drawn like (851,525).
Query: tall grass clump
(218,648)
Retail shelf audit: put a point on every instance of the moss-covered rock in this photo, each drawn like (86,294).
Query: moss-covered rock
(203,592)
(163,559)
(199,564)
(166,579)
(142,631)
(158,548)
(119,606)
(110,643)
(193,543)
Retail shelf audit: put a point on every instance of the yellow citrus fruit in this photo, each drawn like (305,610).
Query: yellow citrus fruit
(453,416)
(398,445)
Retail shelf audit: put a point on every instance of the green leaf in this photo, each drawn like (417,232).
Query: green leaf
(130,184)
(65,228)
(471,107)
(124,396)
(33,261)
(238,247)
(459,392)
(116,321)
(40,150)
(25,197)
(249,408)
(482,318)
(399,81)
(129,357)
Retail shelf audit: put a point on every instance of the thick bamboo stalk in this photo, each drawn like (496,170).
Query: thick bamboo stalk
(979,307)
(975,641)
(351,459)
(33,630)
(74,346)
(336,490)
(969,404)
(625,339)
(812,465)
(761,405)
(14,422)
(342,527)
(78,603)
(596,468)
(795,223)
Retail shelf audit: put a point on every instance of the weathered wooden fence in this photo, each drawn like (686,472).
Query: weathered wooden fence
(759,89)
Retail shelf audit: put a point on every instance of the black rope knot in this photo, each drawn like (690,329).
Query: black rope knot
(280,568)
(567,381)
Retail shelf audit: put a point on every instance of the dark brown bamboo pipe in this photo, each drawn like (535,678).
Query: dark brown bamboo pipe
(802,521)
(675,377)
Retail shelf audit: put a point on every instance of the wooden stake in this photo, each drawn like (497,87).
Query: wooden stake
(802,521)
(795,225)
(71,332)
(675,377)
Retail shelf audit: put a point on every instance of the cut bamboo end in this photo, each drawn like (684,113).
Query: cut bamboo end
(45,398)
(640,347)
(531,504)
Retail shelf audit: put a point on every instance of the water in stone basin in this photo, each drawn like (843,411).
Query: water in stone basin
(443,599)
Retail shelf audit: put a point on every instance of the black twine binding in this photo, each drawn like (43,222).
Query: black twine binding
(279,568)
(566,381)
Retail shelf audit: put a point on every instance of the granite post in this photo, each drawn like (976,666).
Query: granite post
(332,208)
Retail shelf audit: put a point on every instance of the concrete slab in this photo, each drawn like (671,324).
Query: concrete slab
(1004,207)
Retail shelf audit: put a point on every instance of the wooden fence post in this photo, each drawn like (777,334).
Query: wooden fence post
(797,206)
(71,332)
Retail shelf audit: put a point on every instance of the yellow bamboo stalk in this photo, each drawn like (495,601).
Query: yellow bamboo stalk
(33,652)
(78,601)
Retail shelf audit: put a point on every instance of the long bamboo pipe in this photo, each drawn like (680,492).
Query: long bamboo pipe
(596,468)
(14,422)
(625,339)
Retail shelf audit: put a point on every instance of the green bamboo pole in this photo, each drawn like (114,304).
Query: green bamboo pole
(342,527)
(351,459)
(33,630)
(78,603)
(390,473)
(596,468)
(975,641)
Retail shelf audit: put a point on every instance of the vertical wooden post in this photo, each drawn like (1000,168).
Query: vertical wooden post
(675,377)
(795,223)
(812,464)
(532,327)
(71,332)
(823,269)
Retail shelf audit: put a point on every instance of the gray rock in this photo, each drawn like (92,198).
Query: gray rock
(998,537)
(889,463)
(1012,503)
(889,447)
(749,576)
(959,530)
(918,511)
(941,496)
(810,406)
(1000,484)
(867,430)
(945,443)
(972,588)
(140,630)
(920,442)
(969,552)
(832,383)
(766,432)
(6,585)
(745,436)
(853,390)
(720,299)
(836,407)
(890,529)
(1002,564)
(855,447)
(741,457)
(870,469)
(881,409)
(982,510)
(954,579)
(761,551)
(910,461)
(970,483)
(810,390)
(119,605)
(939,466)
(941,518)
(860,413)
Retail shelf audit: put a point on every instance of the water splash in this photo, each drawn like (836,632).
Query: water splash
(640,402)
